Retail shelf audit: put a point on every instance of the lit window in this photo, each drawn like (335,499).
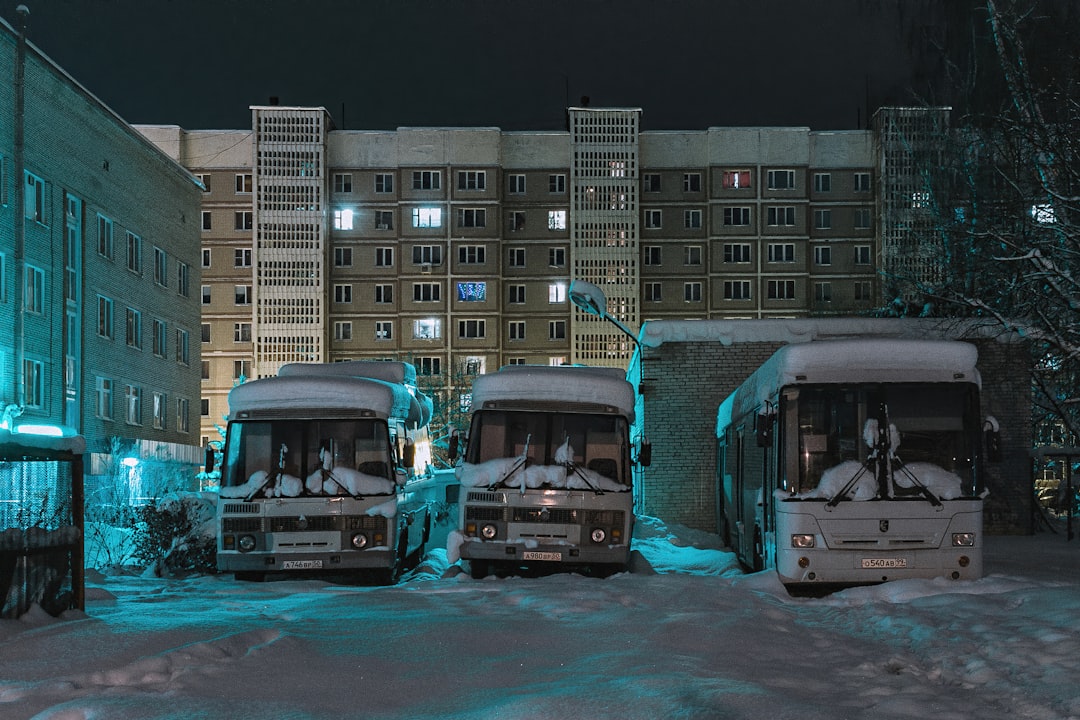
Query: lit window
(428,328)
(557,293)
(427,217)
(472,291)
(343,219)
(556,220)
(1043,214)
(735,179)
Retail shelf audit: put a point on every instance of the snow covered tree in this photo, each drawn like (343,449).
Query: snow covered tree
(1003,192)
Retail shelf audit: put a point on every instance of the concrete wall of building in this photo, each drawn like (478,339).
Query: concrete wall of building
(94,164)
(687,368)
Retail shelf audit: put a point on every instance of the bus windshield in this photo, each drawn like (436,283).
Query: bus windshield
(291,458)
(931,434)
(588,447)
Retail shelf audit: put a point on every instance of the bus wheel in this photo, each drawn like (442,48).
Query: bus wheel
(759,550)
(478,569)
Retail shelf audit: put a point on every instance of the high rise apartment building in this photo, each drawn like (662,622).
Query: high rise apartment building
(454,248)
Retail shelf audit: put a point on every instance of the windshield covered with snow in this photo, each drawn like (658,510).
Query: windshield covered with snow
(544,449)
(293,458)
(931,436)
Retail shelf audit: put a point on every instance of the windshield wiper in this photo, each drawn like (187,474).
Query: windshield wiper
(923,490)
(515,467)
(270,476)
(577,471)
(842,495)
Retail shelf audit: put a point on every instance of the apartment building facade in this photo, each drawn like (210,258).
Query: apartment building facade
(454,248)
(99,267)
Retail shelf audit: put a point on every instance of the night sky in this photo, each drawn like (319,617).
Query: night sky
(514,64)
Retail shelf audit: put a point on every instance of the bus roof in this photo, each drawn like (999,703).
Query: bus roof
(327,393)
(853,361)
(576,384)
(385,370)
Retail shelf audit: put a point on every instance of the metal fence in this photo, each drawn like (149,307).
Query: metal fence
(41,529)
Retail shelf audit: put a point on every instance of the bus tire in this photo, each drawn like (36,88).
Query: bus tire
(478,569)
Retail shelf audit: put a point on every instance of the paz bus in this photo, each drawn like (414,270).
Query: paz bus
(546,478)
(319,469)
(852,462)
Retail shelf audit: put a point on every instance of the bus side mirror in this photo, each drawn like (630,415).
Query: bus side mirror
(209,459)
(992,435)
(452,447)
(764,429)
(408,454)
(993,445)
(644,456)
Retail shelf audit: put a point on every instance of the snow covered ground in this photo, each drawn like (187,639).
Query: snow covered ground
(684,636)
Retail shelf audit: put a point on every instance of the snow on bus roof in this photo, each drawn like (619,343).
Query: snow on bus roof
(385,370)
(575,383)
(854,361)
(325,392)
(655,333)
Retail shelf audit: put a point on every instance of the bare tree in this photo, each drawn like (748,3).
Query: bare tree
(1006,194)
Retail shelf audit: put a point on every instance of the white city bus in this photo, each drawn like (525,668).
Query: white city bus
(319,470)
(854,462)
(546,479)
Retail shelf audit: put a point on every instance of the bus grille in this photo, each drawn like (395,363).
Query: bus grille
(308,523)
(480,514)
(562,516)
(241,524)
(241,508)
(491,497)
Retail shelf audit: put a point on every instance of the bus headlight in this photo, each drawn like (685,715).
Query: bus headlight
(489,531)
(359,541)
(598,535)
(246,543)
(802,541)
(963,539)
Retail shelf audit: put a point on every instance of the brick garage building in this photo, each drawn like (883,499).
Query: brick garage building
(685,369)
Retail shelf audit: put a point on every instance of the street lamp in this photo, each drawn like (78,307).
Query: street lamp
(590,299)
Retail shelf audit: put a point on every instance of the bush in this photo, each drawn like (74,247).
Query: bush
(176,534)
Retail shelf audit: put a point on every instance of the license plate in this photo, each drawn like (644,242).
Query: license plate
(533,555)
(883,563)
(301,565)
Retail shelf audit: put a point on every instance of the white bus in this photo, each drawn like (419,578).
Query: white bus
(319,470)
(546,479)
(855,462)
